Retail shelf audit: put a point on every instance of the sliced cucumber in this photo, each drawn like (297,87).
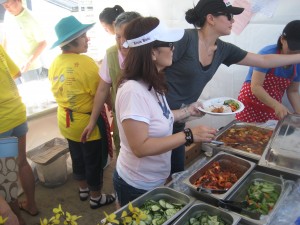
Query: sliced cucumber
(155,208)
(171,212)
(162,203)
(169,206)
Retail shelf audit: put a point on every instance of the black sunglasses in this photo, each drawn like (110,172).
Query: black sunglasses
(228,15)
(159,44)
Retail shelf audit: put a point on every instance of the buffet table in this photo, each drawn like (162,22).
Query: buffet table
(230,183)
(278,162)
(286,213)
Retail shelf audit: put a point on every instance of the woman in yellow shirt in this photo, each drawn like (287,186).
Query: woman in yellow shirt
(74,78)
(13,123)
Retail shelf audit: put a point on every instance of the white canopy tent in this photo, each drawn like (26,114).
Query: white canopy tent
(262,30)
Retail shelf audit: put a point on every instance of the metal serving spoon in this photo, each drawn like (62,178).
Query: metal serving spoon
(239,207)
(211,191)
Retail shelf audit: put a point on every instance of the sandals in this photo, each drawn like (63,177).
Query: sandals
(23,207)
(95,204)
(84,195)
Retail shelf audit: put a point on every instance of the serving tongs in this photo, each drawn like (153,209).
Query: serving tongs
(219,143)
(239,207)
(211,191)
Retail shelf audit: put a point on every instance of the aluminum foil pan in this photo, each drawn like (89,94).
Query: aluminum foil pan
(244,139)
(239,195)
(283,152)
(156,194)
(199,207)
(234,164)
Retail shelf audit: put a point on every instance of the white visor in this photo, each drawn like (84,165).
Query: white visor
(159,33)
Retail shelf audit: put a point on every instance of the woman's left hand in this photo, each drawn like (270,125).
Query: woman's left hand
(193,109)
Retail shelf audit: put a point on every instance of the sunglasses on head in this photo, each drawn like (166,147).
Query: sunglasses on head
(228,15)
(159,44)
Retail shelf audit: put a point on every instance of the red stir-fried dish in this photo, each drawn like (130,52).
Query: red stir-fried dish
(216,178)
(247,138)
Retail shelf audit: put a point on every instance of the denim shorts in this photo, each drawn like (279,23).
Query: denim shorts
(125,192)
(18,131)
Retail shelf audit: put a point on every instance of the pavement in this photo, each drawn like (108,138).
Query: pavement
(67,195)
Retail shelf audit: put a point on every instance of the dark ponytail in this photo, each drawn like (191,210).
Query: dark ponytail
(108,15)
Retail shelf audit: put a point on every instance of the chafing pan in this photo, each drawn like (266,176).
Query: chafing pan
(199,207)
(241,167)
(238,147)
(283,153)
(239,194)
(156,194)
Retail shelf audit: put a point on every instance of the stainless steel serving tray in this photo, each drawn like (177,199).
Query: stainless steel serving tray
(234,149)
(241,167)
(239,194)
(283,152)
(199,207)
(156,194)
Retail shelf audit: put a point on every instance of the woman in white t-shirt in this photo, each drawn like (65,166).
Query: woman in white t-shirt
(144,118)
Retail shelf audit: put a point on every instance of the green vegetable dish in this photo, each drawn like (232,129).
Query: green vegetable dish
(233,104)
(159,212)
(262,197)
(203,218)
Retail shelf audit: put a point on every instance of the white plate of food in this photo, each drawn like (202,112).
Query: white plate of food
(222,106)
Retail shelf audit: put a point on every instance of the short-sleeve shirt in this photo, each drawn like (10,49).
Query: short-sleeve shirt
(23,34)
(74,80)
(135,101)
(278,71)
(186,77)
(12,109)
(104,70)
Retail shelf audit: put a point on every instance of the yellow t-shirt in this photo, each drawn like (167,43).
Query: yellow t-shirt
(74,79)
(22,35)
(12,109)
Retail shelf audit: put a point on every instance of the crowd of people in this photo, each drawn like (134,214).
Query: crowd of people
(152,79)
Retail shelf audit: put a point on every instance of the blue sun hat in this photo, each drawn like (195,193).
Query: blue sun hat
(68,29)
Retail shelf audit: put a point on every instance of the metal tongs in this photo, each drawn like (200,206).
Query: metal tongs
(217,142)
(211,191)
(239,207)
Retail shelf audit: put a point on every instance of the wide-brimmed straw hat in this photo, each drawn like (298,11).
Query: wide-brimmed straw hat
(68,29)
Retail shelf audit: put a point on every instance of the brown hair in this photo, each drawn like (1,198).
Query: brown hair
(138,64)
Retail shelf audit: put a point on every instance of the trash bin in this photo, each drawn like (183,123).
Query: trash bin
(50,159)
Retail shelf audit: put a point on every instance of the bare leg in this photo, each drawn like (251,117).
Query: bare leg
(14,205)
(83,185)
(26,178)
(7,211)
(95,194)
